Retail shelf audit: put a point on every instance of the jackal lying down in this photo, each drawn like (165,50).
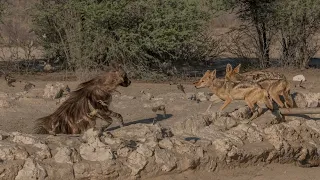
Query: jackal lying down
(276,84)
(250,92)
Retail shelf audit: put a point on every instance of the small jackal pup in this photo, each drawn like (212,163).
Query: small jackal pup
(227,91)
(276,84)
(84,105)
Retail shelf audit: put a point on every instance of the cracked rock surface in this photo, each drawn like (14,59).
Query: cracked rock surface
(201,142)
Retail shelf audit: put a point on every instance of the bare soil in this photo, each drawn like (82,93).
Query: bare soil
(21,115)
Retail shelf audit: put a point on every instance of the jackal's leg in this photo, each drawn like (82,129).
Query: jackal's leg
(226,103)
(268,102)
(252,108)
(275,96)
(209,107)
(288,99)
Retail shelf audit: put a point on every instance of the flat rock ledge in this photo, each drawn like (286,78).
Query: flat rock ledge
(201,142)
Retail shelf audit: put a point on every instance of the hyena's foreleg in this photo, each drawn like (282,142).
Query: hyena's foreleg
(103,114)
(117,116)
(110,113)
(106,118)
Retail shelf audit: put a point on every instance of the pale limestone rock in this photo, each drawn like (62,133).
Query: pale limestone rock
(136,162)
(166,159)
(31,170)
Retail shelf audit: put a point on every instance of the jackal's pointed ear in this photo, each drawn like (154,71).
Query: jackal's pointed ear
(228,68)
(237,69)
(213,74)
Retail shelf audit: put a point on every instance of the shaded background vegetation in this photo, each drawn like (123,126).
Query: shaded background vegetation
(155,38)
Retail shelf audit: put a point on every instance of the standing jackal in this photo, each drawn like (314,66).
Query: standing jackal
(276,84)
(227,91)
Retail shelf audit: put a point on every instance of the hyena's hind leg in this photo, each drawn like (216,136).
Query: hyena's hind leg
(53,129)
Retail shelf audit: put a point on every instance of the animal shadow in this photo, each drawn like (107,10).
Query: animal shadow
(159,117)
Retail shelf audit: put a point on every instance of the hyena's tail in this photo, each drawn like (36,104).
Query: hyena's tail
(41,124)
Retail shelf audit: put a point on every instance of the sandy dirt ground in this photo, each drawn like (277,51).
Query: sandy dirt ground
(21,115)
(269,172)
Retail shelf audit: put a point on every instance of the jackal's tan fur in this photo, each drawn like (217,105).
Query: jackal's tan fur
(251,92)
(88,102)
(276,84)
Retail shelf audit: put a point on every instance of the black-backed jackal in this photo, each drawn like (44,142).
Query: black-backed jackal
(276,84)
(250,92)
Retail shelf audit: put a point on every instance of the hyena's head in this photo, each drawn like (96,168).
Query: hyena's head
(120,76)
(206,80)
(115,76)
(232,75)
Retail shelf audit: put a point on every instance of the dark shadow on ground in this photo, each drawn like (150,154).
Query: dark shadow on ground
(159,117)
(195,139)
(303,116)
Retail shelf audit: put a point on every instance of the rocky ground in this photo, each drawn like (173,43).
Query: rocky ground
(184,144)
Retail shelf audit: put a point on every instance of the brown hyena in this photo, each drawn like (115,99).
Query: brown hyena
(87,103)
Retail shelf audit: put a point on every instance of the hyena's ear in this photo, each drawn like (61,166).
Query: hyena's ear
(228,68)
(237,69)
(116,66)
(113,65)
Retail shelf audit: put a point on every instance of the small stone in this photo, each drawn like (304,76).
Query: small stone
(166,144)
(123,152)
(202,96)
(144,150)
(51,90)
(126,97)
(4,103)
(299,78)
(147,96)
(166,159)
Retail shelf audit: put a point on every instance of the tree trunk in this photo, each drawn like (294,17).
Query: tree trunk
(266,49)
(290,111)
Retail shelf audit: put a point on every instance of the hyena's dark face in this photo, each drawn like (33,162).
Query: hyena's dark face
(120,76)
(126,82)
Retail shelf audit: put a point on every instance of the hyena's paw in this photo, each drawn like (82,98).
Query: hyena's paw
(52,133)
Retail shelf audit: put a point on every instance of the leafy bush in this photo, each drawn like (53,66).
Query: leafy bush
(141,34)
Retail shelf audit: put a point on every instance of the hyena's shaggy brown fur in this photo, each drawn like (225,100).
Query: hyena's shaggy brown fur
(75,114)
